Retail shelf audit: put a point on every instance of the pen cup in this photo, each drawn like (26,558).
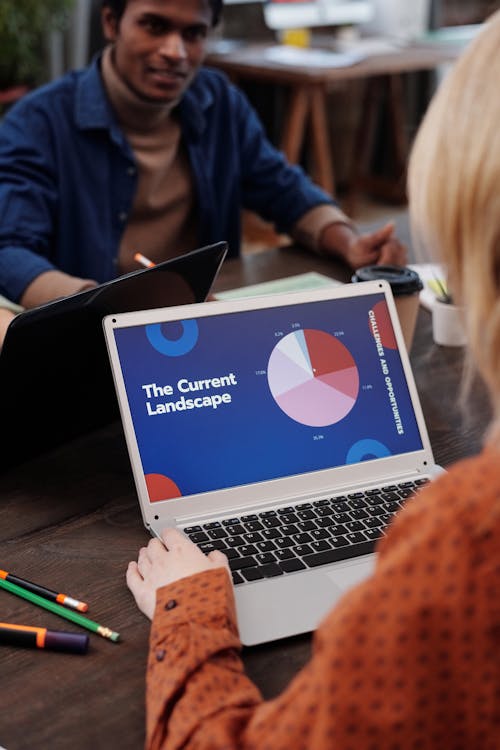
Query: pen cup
(447,324)
(405,286)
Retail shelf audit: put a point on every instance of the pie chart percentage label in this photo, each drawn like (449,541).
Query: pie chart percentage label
(313,378)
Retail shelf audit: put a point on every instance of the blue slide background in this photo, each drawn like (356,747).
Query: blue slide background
(252,439)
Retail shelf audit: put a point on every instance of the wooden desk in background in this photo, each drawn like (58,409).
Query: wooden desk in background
(70,520)
(307,107)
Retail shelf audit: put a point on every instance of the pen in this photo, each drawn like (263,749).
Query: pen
(68,614)
(64,599)
(140,258)
(32,637)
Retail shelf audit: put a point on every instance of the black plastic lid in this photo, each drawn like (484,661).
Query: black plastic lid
(402,280)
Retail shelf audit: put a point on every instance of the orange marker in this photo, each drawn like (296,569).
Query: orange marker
(63,599)
(140,258)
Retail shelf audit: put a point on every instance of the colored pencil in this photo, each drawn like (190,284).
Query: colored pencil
(53,596)
(56,609)
(444,295)
(34,637)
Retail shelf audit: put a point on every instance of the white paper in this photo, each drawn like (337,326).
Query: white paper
(315,58)
(309,280)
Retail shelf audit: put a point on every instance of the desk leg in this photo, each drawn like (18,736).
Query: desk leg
(323,172)
(363,143)
(295,125)
(309,101)
(398,123)
(379,89)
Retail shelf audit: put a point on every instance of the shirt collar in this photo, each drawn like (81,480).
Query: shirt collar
(93,109)
(193,108)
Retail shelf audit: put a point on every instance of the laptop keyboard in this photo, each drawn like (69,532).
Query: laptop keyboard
(292,538)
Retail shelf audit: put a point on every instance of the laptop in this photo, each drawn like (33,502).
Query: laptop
(285,430)
(55,378)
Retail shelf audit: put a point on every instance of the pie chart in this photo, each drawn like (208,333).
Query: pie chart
(313,377)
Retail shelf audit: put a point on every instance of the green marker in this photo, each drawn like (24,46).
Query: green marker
(68,614)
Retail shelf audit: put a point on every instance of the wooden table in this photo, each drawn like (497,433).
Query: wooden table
(70,520)
(308,90)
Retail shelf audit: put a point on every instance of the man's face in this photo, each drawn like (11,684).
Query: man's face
(159,45)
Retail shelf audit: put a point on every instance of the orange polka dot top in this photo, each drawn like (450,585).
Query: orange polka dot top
(408,660)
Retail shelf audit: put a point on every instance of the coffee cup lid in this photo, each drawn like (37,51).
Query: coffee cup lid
(403,280)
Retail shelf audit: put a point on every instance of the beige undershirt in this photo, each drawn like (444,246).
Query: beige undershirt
(308,229)
(162,221)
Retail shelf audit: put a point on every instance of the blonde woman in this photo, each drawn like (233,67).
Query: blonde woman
(411,658)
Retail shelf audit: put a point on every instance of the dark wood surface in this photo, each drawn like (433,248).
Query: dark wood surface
(70,520)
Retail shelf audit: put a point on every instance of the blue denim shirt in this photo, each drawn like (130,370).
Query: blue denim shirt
(68,176)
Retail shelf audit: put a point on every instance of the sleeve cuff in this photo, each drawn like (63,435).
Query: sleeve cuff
(308,229)
(53,285)
(206,598)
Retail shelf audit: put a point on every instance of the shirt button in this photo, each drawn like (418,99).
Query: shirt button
(171,604)
(131,171)
(160,654)
(122,216)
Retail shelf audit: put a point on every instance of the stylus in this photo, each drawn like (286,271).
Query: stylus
(140,258)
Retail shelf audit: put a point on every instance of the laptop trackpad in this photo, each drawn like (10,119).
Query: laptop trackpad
(347,576)
(293,604)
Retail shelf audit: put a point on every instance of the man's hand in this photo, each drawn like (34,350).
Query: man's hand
(159,565)
(374,248)
(5,317)
(51,285)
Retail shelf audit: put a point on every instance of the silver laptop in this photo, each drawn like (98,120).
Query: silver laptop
(284,430)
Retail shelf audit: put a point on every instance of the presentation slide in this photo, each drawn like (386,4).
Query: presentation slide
(234,399)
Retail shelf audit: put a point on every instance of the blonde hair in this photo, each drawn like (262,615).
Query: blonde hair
(454,193)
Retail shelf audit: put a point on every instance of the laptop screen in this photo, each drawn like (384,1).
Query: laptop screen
(60,346)
(231,399)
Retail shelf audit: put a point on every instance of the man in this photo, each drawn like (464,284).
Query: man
(145,151)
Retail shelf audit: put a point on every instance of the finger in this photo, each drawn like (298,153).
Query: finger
(155,549)
(381,235)
(174,538)
(371,253)
(139,590)
(365,256)
(393,253)
(218,558)
(133,577)
(143,561)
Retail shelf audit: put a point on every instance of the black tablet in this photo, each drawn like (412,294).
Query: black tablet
(55,379)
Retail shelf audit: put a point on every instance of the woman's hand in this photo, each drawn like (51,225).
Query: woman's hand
(160,564)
